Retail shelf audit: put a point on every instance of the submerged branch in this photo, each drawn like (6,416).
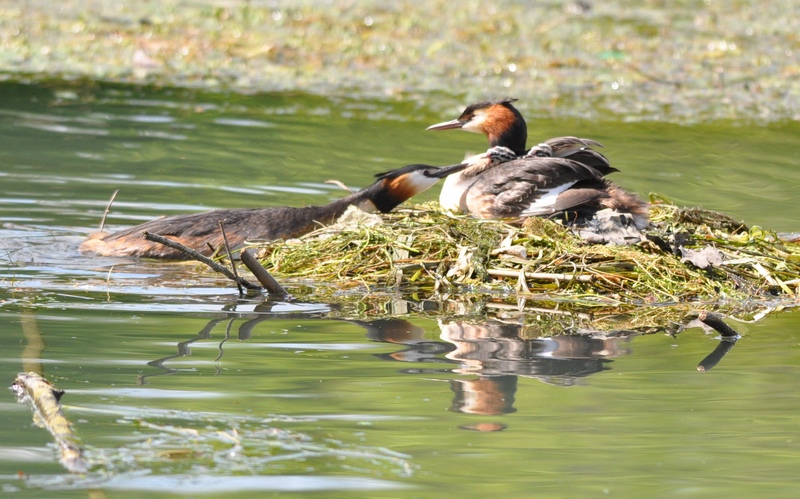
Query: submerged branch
(45,400)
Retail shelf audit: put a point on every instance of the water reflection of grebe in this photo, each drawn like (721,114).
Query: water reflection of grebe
(499,352)
(496,353)
(498,348)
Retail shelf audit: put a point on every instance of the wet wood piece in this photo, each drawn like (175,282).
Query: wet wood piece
(715,321)
(265,278)
(230,256)
(45,400)
(200,258)
(729,337)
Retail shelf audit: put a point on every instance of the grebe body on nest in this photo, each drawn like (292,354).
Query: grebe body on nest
(563,176)
(201,231)
(504,186)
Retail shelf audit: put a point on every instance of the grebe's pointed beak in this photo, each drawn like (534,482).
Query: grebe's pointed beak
(448,170)
(446,125)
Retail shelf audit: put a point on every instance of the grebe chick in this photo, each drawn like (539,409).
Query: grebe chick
(504,126)
(201,232)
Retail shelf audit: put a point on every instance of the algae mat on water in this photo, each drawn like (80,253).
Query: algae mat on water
(691,256)
(665,61)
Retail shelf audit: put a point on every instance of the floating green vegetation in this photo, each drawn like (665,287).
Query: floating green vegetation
(690,256)
(675,61)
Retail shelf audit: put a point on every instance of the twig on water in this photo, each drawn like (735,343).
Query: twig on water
(339,184)
(108,208)
(230,256)
(715,321)
(729,337)
(200,258)
(45,400)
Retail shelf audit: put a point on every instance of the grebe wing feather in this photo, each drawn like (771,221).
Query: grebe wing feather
(512,187)
(565,201)
(580,150)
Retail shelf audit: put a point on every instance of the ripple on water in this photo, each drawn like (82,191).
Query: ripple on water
(159,134)
(65,129)
(225,484)
(150,118)
(242,122)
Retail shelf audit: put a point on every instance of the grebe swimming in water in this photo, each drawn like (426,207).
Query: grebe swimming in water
(201,231)
(561,177)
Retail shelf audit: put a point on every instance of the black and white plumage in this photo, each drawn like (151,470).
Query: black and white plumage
(495,185)
(574,148)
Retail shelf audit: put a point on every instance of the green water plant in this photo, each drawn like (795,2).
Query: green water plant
(690,256)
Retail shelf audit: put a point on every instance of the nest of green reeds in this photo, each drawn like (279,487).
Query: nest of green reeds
(427,250)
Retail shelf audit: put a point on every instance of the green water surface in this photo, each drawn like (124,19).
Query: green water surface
(178,388)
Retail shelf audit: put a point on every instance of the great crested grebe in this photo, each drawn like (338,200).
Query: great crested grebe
(559,177)
(504,126)
(201,231)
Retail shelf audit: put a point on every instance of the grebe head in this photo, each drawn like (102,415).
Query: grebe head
(394,187)
(498,119)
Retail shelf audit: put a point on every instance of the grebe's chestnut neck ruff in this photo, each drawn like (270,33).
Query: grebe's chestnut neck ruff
(500,121)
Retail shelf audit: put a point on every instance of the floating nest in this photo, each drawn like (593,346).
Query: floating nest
(690,258)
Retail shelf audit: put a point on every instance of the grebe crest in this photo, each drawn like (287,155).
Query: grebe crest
(500,121)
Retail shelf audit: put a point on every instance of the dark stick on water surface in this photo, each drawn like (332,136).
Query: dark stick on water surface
(199,257)
(715,321)
(230,256)
(265,278)
(729,337)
